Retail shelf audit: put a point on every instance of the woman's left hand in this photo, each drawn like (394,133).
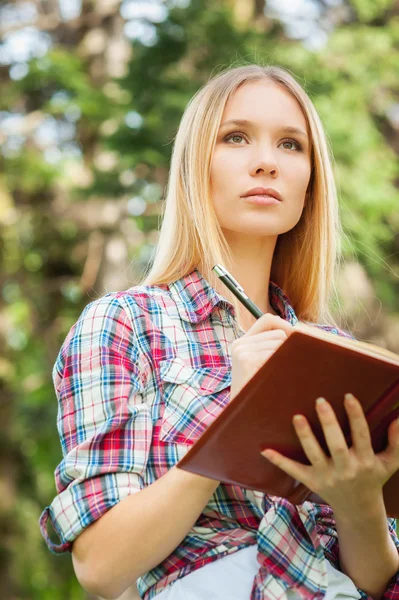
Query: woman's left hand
(351,478)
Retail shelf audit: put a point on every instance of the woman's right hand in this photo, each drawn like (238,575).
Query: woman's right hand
(255,347)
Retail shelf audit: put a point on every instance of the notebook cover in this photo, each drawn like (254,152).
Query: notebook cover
(303,368)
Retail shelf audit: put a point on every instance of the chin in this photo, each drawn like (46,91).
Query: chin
(258,227)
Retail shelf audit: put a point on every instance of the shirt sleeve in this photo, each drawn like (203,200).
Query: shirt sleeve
(105,428)
(392,591)
(326,529)
(333,329)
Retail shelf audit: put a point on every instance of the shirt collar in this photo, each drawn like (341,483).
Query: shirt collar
(195,299)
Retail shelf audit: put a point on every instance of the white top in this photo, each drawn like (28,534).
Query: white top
(232,576)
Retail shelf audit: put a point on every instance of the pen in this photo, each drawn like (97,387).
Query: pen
(237,290)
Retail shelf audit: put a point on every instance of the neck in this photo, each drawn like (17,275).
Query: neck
(256,286)
(252,260)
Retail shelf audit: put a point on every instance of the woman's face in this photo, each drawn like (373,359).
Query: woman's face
(260,154)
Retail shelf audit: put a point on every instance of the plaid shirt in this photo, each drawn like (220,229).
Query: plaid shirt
(138,379)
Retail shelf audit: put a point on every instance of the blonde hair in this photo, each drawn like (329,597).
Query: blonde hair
(305,258)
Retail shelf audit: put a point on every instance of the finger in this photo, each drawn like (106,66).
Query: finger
(297,470)
(335,439)
(258,346)
(360,431)
(264,336)
(267,322)
(309,442)
(260,339)
(389,458)
(274,334)
(393,437)
(256,357)
(278,336)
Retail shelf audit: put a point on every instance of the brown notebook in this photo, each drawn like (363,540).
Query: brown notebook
(307,365)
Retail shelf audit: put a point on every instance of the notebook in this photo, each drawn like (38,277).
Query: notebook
(308,364)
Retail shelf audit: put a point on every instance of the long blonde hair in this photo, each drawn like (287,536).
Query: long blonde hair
(305,258)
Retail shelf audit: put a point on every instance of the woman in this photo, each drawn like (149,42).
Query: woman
(144,371)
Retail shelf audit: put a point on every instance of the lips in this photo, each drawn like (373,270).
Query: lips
(261,191)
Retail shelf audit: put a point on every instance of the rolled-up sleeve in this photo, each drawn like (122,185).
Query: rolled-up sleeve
(392,591)
(105,428)
(326,528)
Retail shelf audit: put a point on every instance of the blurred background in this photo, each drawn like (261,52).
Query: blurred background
(92,93)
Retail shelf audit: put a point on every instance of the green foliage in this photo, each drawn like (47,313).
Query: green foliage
(368,10)
(62,70)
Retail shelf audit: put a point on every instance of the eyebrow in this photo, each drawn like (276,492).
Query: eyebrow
(245,122)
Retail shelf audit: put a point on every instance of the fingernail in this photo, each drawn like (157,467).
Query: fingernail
(349,397)
(320,401)
(268,453)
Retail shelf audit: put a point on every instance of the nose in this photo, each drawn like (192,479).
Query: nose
(264,161)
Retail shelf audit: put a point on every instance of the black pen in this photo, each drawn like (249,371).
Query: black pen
(237,290)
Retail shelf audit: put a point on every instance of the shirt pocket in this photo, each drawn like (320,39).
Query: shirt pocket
(193,396)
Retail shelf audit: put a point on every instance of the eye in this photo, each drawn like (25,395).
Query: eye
(238,134)
(233,135)
(297,144)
